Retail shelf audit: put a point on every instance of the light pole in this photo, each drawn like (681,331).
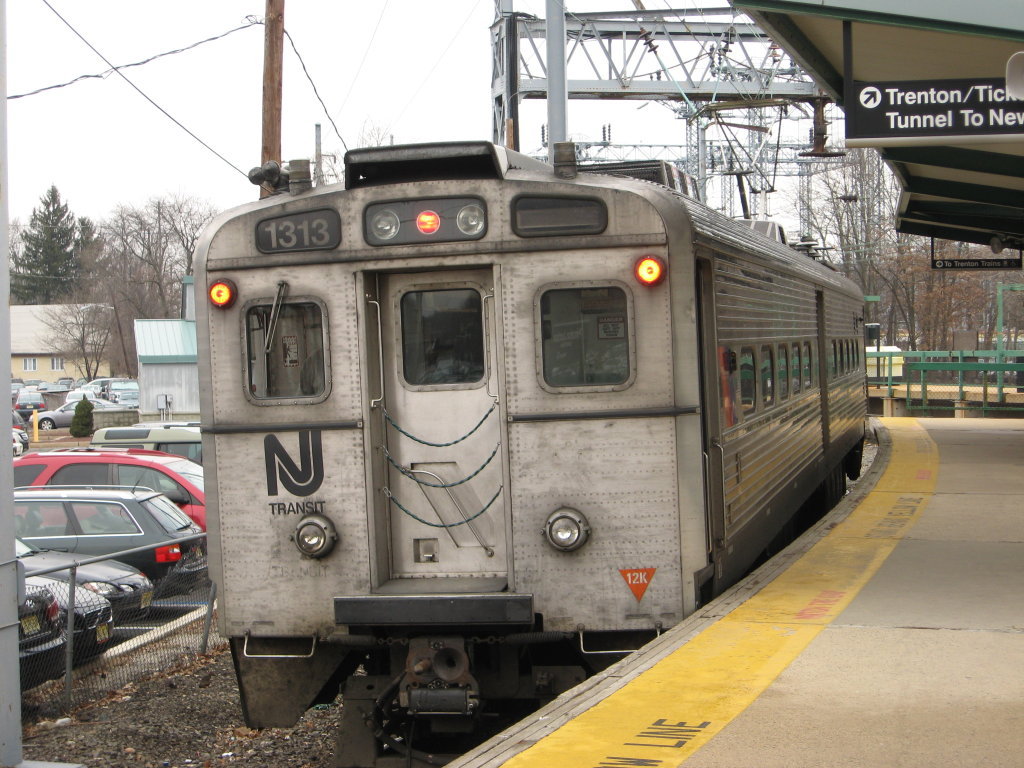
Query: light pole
(1000,339)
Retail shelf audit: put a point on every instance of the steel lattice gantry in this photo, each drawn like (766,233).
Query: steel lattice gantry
(695,57)
(711,66)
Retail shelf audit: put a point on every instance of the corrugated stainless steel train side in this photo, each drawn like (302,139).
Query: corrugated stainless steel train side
(497,524)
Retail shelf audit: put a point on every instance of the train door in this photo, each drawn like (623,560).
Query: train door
(443,495)
(716,401)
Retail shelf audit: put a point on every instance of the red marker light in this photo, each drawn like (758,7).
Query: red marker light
(428,222)
(650,270)
(222,294)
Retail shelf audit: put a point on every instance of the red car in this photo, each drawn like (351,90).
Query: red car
(177,478)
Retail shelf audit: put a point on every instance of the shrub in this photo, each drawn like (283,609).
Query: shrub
(81,423)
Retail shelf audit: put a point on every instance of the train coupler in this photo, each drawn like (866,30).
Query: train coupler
(437,678)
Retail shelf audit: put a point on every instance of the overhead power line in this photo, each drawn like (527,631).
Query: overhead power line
(113,69)
(141,92)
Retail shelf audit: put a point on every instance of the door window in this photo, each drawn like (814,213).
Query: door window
(442,337)
(146,477)
(82,474)
(99,518)
(33,519)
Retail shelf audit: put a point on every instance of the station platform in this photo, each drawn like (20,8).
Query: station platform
(890,634)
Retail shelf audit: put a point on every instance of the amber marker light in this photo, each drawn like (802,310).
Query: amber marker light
(428,222)
(222,294)
(650,270)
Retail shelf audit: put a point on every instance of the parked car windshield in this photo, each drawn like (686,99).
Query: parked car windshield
(21,548)
(168,515)
(190,471)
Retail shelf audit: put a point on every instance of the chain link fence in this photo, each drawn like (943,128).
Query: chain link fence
(78,645)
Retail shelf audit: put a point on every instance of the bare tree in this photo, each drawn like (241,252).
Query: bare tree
(147,251)
(80,333)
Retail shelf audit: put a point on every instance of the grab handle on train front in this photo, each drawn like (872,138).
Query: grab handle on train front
(245,651)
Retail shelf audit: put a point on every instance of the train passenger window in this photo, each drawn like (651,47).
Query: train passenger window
(727,373)
(585,337)
(747,386)
(795,368)
(832,361)
(285,350)
(442,337)
(783,372)
(767,376)
(808,366)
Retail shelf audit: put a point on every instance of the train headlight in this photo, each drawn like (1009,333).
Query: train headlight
(471,220)
(384,224)
(566,529)
(315,536)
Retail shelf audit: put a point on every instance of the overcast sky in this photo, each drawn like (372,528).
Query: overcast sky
(417,70)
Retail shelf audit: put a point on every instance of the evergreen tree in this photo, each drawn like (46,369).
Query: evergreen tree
(47,269)
(81,422)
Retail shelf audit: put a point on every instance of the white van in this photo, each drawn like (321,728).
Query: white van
(179,439)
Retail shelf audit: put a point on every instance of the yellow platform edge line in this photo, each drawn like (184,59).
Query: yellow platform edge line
(665,714)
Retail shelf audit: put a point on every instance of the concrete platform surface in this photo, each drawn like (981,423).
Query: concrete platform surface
(891,635)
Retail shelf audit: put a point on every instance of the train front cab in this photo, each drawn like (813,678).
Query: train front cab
(501,456)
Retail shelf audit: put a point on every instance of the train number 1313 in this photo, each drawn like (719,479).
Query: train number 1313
(318,230)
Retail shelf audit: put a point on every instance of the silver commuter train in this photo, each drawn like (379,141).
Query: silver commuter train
(475,426)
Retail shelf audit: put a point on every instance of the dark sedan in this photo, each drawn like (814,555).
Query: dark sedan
(129,591)
(27,402)
(40,637)
(92,521)
(94,617)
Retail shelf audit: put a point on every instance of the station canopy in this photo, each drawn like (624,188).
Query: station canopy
(924,82)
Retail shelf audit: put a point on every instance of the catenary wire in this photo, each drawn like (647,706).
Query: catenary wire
(103,75)
(140,91)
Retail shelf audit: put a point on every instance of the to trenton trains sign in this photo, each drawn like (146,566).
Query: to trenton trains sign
(912,111)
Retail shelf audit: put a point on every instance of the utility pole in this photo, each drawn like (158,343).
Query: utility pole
(273,55)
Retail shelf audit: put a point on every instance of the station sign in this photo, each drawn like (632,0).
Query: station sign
(914,111)
(976,263)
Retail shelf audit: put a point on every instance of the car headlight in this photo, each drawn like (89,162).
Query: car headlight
(315,536)
(566,529)
(100,587)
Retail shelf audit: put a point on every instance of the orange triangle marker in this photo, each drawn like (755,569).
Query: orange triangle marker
(638,579)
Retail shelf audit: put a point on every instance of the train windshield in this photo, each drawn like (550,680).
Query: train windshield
(584,335)
(286,350)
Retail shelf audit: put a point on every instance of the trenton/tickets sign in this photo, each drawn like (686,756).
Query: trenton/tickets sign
(913,111)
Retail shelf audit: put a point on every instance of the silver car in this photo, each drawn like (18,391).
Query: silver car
(62,416)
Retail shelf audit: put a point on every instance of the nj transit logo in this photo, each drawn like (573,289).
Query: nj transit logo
(300,479)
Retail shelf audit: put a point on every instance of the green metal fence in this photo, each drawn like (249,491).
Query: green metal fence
(983,382)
